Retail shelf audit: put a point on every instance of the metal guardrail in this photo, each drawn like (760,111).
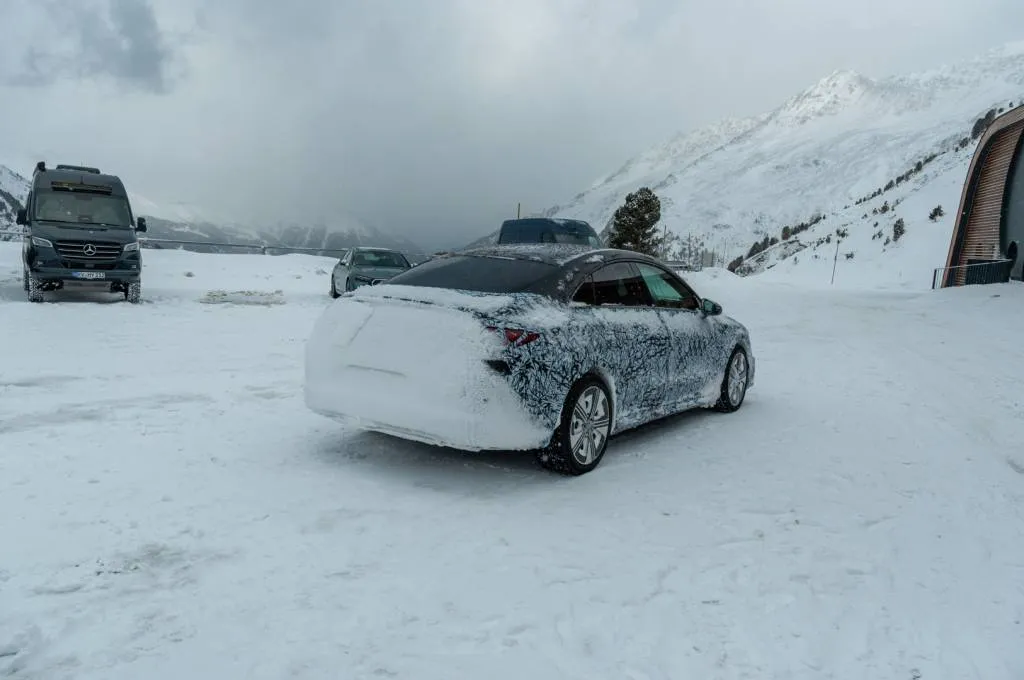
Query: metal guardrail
(994,271)
(685,265)
(263,248)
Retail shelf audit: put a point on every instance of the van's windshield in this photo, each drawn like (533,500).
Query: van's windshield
(82,208)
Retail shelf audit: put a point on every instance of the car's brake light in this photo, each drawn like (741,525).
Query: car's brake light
(515,336)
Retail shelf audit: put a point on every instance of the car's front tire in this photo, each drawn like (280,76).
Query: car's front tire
(35,288)
(334,289)
(735,381)
(580,441)
(133,292)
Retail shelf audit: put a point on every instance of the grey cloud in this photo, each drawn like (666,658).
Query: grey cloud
(433,118)
(121,40)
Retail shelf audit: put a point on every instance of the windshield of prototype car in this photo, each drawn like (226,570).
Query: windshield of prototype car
(379,258)
(80,207)
(478,274)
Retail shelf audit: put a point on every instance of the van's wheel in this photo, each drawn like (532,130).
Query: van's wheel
(579,442)
(34,288)
(133,292)
(734,384)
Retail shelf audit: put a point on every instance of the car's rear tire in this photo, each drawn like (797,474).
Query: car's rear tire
(579,443)
(735,381)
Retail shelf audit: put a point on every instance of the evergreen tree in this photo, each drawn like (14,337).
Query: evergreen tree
(635,225)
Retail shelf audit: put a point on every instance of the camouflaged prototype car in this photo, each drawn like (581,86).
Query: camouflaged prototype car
(550,348)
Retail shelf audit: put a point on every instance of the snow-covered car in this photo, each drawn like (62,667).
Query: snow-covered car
(547,348)
(363,266)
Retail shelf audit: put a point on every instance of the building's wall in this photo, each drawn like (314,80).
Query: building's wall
(982,231)
(1013,225)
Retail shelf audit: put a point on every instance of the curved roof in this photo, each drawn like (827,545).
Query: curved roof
(993,133)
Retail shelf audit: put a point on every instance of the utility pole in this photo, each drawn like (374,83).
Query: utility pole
(835,261)
(518,208)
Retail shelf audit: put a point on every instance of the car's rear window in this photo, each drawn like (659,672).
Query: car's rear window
(545,231)
(474,273)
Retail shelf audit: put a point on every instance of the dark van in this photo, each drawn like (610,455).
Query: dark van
(79,227)
(548,230)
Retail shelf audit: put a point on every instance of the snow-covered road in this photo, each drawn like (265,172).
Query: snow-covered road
(169,509)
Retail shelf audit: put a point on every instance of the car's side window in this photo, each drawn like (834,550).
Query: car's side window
(667,290)
(585,293)
(615,284)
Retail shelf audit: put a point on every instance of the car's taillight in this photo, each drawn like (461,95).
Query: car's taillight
(515,336)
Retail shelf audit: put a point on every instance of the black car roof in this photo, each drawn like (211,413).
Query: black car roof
(51,175)
(556,254)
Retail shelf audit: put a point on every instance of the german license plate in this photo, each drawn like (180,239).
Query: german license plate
(89,275)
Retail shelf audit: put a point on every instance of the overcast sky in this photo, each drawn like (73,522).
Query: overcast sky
(430,118)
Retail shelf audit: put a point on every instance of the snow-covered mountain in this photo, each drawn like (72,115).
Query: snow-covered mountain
(848,137)
(13,188)
(186,223)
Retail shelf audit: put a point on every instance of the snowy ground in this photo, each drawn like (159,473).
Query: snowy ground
(169,509)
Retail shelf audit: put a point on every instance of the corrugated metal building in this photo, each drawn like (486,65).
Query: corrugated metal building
(988,237)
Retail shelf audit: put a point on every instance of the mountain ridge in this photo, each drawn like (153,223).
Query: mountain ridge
(728,184)
(210,234)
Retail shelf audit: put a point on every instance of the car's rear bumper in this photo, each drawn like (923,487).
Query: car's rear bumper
(486,416)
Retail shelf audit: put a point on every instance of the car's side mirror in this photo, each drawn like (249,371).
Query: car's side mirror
(140,224)
(21,217)
(710,307)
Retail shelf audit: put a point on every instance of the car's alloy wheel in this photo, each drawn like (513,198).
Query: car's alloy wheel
(734,384)
(581,439)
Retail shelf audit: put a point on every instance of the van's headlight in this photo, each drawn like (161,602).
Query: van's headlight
(131,246)
(41,242)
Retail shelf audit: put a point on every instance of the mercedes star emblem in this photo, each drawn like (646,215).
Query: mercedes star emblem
(89,249)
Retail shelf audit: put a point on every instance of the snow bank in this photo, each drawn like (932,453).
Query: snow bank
(171,509)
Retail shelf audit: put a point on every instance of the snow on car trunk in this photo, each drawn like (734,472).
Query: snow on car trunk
(411,362)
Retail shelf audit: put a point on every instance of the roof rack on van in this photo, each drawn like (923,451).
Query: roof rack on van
(80,168)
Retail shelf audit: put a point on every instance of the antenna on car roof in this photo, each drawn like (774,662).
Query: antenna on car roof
(80,168)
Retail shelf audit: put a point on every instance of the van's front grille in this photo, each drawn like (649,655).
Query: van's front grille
(90,254)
